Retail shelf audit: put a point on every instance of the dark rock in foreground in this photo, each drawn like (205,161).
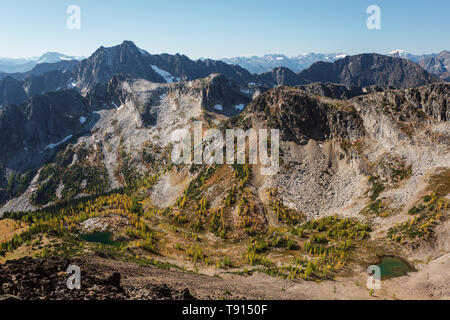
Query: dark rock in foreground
(46,279)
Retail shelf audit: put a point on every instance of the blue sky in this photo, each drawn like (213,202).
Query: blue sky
(202,28)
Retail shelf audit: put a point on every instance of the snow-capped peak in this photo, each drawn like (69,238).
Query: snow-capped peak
(340,56)
(398,51)
(52,57)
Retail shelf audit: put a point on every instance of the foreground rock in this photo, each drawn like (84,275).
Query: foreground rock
(46,279)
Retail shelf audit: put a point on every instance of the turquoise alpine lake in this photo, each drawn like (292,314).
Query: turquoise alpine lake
(392,267)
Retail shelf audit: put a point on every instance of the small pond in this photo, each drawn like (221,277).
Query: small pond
(101,237)
(392,267)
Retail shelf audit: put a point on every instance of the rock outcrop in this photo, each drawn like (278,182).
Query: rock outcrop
(369,69)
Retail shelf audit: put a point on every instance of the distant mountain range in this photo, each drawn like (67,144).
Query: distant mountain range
(436,63)
(126,58)
(14,65)
(268,62)
(413,57)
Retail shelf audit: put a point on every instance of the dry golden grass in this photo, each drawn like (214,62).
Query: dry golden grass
(440,182)
(9,227)
(26,250)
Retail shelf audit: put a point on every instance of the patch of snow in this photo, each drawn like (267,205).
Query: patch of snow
(53,145)
(239,107)
(398,51)
(218,107)
(246,91)
(82,120)
(340,56)
(166,75)
(115,105)
(143,52)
